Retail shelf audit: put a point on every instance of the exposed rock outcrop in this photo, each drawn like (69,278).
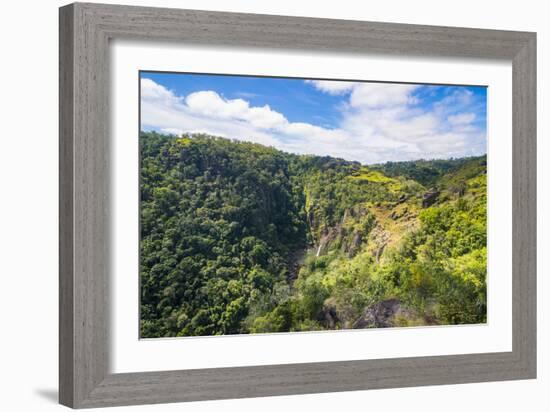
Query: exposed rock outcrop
(379,240)
(326,239)
(430,197)
(345,235)
(355,244)
(296,261)
(379,315)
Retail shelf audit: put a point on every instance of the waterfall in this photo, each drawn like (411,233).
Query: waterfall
(318,250)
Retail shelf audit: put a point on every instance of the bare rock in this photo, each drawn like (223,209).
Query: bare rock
(430,197)
(325,241)
(379,315)
(355,244)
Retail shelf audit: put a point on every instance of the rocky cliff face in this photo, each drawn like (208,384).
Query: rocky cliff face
(369,227)
(348,236)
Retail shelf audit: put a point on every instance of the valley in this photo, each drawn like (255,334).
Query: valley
(239,238)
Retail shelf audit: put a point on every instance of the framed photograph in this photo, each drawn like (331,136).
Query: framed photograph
(256,205)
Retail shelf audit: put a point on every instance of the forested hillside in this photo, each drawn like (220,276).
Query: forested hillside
(241,238)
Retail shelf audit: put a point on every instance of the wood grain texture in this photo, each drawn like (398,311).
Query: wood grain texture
(524,205)
(85,31)
(66,109)
(84,91)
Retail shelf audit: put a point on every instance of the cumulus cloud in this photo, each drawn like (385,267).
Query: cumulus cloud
(379,122)
(331,87)
(382,95)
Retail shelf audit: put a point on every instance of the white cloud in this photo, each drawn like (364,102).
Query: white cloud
(332,87)
(462,118)
(153,92)
(379,122)
(211,104)
(458,98)
(382,95)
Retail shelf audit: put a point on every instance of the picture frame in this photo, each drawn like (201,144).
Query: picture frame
(85,33)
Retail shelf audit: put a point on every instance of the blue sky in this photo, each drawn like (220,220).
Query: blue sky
(368,122)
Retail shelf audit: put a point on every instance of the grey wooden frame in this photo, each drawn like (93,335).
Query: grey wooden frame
(85,31)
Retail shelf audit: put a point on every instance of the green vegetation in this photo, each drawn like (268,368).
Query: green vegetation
(240,238)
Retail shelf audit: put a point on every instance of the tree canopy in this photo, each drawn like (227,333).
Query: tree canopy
(241,238)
